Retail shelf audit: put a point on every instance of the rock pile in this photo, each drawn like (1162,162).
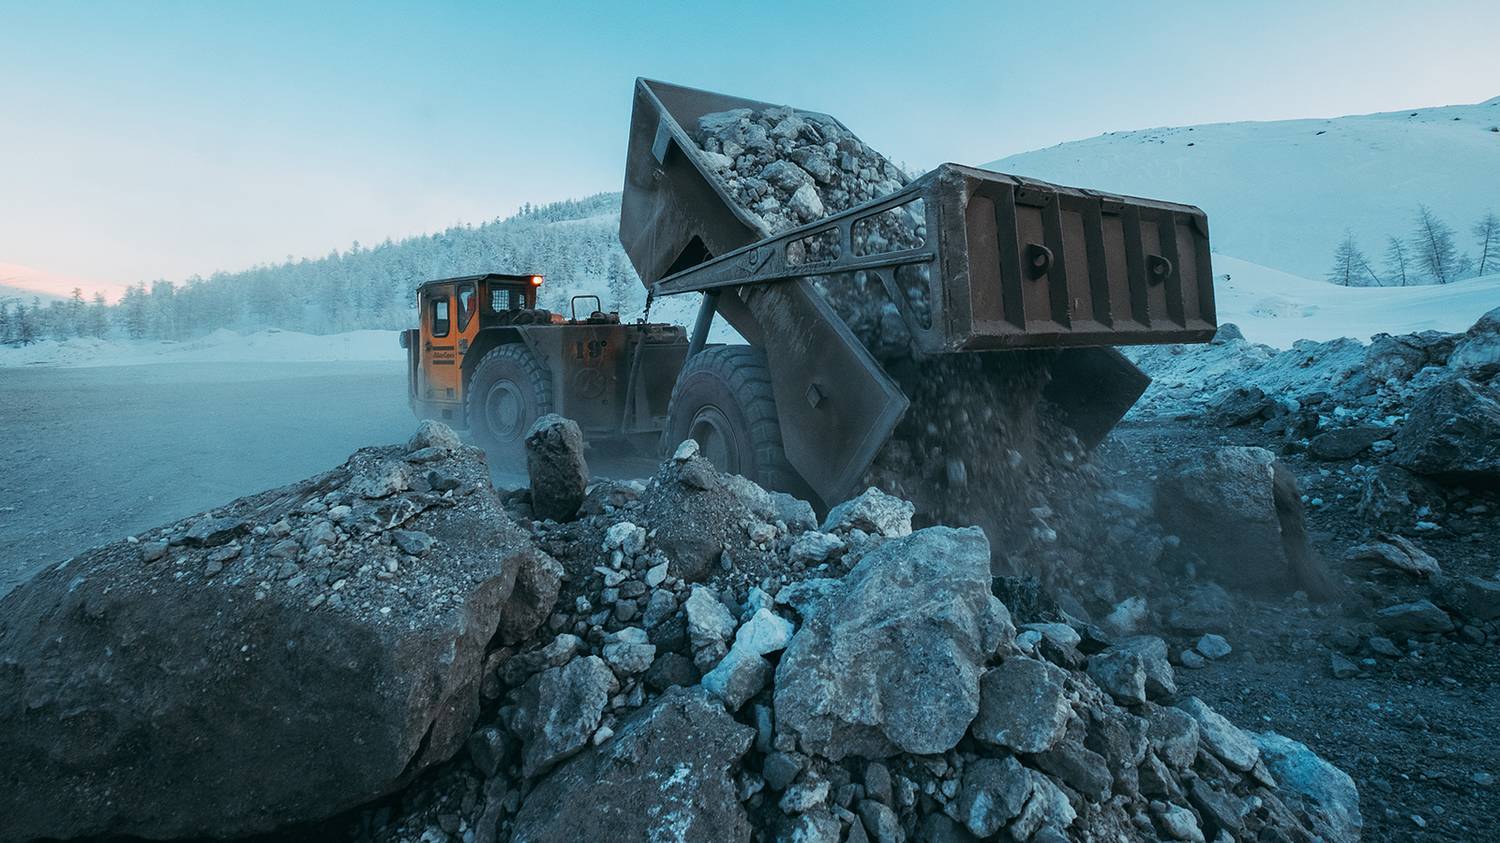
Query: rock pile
(857,679)
(853,680)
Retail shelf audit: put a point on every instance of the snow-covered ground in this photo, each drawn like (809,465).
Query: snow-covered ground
(1282,193)
(1277,308)
(221,346)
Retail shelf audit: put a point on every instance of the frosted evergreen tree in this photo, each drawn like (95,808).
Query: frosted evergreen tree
(1432,246)
(1350,267)
(5,323)
(75,313)
(1487,237)
(1397,261)
(25,330)
(621,280)
(98,318)
(133,316)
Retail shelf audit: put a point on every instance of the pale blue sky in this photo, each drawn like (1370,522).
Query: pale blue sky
(146,139)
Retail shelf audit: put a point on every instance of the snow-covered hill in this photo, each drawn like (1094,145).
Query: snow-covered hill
(1281,194)
(1277,309)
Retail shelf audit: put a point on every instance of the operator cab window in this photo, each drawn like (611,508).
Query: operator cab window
(506,298)
(440,319)
(465,305)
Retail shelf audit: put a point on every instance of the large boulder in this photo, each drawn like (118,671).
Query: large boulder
(1478,350)
(891,662)
(286,664)
(554,462)
(1321,791)
(1238,510)
(667,774)
(1453,432)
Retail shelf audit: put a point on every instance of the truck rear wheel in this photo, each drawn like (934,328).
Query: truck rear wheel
(723,401)
(508,391)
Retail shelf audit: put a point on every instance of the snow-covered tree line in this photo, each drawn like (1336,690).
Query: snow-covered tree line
(574,244)
(1430,254)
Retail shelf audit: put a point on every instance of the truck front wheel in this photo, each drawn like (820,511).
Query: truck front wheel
(723,401)
(508,391)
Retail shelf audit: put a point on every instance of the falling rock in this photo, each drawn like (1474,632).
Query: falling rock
(1225,740)
(667,774)
(1022,705)
(555,465)
(874,512)
(845,684)
(1324,792)
(558,711)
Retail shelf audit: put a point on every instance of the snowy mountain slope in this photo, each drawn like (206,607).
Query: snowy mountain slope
(1277,309)
(1281,194)
(13,293)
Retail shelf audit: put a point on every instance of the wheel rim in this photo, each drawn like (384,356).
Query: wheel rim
(504,410)
(712,431)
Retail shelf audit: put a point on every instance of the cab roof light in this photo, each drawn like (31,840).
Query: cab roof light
(536,280)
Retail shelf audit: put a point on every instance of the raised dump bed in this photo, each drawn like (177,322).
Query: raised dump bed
(982,261)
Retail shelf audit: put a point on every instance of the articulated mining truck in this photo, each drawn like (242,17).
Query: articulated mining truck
(989,265)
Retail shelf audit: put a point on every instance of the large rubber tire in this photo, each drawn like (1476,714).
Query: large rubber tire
(508,391)
(723,400)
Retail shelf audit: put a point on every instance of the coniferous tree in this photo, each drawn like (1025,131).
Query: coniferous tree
(1350,267)
(1397,261)
(98,318)
(25,330)
(7,323)
(1432,246)
(1487,237)
(75,313)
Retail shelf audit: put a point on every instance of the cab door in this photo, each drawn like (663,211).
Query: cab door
(440,369)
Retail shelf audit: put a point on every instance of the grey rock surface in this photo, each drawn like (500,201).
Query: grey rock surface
(555,465)
(667,774)
(315,691)
(893,662)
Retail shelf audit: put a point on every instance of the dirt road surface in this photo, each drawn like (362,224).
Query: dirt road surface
(88,455)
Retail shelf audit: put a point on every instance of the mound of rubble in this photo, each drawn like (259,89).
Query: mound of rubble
(979,443)
(284,658)
(517,678)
